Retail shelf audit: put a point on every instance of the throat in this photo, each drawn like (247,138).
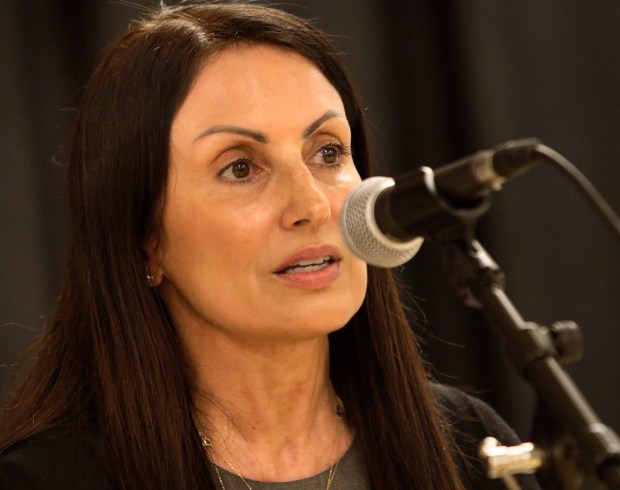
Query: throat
(290,462)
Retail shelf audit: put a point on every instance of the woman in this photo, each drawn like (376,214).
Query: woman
(213,331)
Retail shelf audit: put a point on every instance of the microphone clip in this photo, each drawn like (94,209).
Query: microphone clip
(432,216)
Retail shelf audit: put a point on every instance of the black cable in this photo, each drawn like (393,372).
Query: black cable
(583,184)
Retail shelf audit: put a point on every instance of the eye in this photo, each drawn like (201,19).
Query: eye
(239,171)
(331,155)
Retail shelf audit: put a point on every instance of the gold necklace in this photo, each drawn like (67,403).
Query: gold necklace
(208,445)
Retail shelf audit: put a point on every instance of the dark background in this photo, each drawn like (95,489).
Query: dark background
(441,80)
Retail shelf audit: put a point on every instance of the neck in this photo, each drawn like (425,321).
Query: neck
(265,391)
(268,409)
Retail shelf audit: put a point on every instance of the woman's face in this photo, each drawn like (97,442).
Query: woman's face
(260,165)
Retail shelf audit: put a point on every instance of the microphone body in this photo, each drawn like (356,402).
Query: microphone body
(384,221)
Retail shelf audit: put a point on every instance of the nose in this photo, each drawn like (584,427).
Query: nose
(306,202)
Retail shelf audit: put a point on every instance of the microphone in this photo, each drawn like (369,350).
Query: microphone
(384,221)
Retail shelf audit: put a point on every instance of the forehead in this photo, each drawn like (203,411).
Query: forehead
(252,84)
(261,58)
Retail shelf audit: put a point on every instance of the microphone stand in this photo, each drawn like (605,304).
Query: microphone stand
(572,438)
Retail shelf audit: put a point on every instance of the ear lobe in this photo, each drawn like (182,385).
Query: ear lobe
(153,265)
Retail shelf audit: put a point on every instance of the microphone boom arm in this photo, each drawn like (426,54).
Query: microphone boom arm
(480,282)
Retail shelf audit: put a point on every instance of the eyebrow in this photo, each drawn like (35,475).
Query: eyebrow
(317,124)
(224,128)
(261,137)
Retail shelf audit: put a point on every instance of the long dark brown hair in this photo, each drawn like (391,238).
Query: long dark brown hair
(110,360)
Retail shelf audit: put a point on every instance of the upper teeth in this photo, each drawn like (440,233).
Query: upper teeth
(304,263)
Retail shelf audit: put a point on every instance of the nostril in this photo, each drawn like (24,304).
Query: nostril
(301,222)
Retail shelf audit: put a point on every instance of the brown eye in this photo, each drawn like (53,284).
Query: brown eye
(240,170)
(330,154)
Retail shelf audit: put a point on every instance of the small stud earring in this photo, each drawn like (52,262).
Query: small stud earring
(150,280)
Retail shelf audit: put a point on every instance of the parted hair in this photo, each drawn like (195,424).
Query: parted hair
(110,359)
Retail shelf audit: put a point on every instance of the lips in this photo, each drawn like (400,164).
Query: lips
(309,259)
(309,265)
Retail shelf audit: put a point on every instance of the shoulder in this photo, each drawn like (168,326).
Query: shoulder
(472,415)
(55,459)
(471,420)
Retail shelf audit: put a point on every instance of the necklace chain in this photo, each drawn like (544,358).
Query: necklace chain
(206,442)
(208,445)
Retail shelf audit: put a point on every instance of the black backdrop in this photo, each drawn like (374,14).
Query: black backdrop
(440,80)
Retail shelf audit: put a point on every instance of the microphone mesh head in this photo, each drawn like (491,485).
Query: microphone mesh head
(362,234)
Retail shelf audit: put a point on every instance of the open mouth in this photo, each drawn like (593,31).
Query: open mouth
(309,265)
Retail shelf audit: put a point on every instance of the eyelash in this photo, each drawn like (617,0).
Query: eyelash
(343,151)
(245,160)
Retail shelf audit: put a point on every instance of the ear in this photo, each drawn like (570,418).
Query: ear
(154,263)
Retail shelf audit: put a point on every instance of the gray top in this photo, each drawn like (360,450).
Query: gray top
(350,475)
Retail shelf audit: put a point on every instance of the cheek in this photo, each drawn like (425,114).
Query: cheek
(216,240)
(204,249)
(360,279)
(341,189)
